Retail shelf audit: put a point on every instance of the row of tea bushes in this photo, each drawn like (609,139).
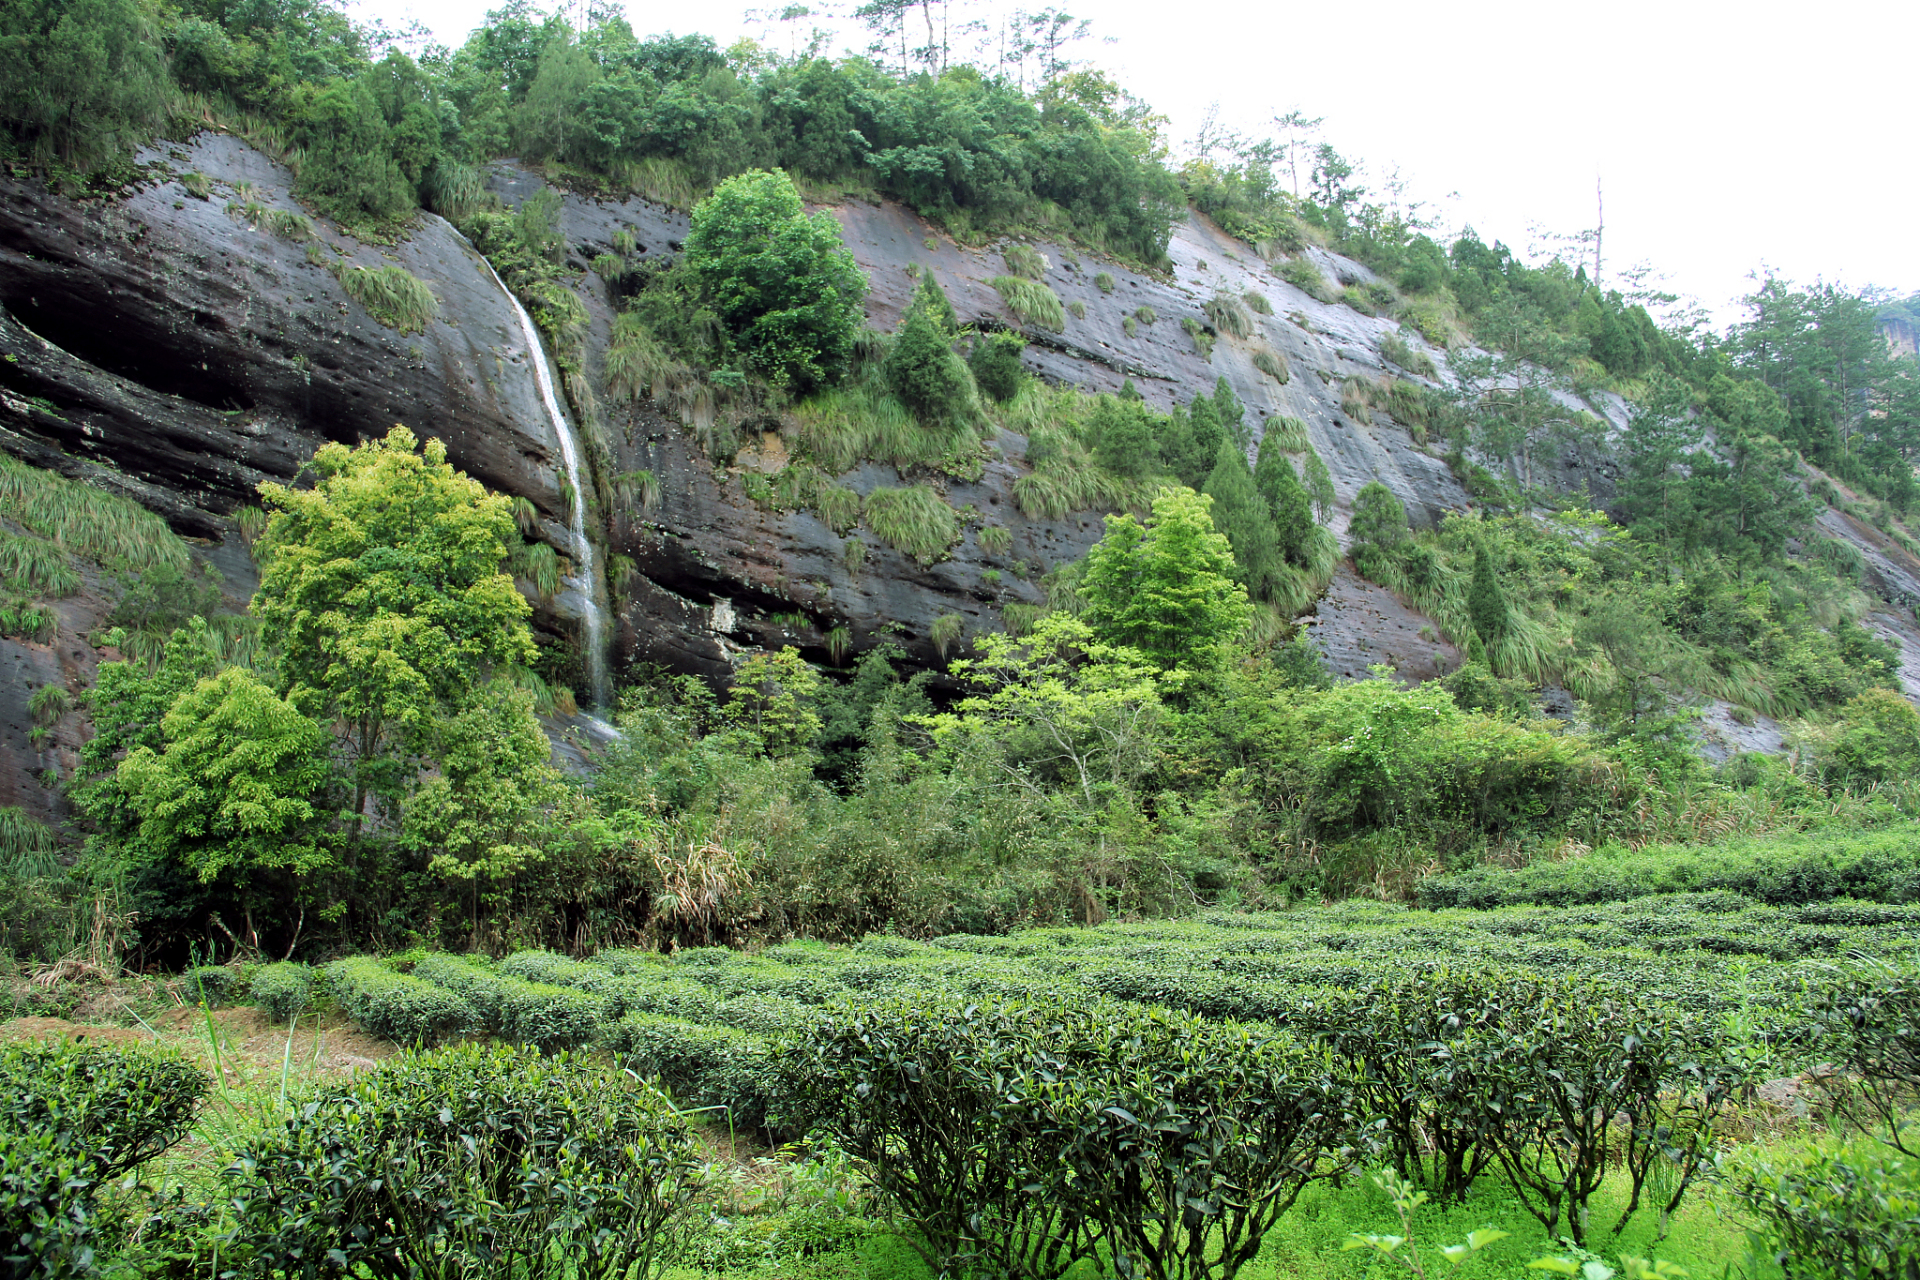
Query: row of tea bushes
(1881,866)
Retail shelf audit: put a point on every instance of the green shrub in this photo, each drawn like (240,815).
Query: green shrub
(531,1013)
(914,520)
(1025,261)
(399,1007)
(73,1118)
(1577,1077)
(995,361)
(1835,1211)
(85,520)
(1146,315)
(481,1159)
(1129,326)
(1032,302)
(1201,335)
(1104,282)
(1378,532)
(211,985)
(709,1067)
(284,990)
(391,295)
(925,374)
(1397,350)
(1018,1138)
(1867,1020)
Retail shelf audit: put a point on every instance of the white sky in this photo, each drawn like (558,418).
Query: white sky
(1727,136)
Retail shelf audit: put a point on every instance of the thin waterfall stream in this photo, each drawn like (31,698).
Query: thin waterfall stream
(584,580)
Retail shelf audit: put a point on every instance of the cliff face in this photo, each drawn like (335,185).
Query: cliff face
(180,351)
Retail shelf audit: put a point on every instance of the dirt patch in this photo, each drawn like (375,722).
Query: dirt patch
(61,1029)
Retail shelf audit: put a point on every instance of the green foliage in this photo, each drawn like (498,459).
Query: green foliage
(1103,281)
(537,1014)
(1229,315)
(1396,349)
(73,1119)
(841,426)
(391,295)
(1258,303)
(1203,337)
(399,1007)
(1244,515)
(381,589)
(781,281)
(1304,276)
(926,374)
(36,566)
(236,791)
(996,539)
(1032,302)
(1146,315)
(1868,1020)
(1274,365)
(915,520)
(1377,532)
(1833,1209)
(1025,261)
(995,361)
(1169,588)
(283,990)
(1486,602)
(773,699)
(1808,868)
(82,82)
(930,298)
(1021,1137)
(511,1161)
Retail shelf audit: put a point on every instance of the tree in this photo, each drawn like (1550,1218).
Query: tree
(1242,515)
(1377,531)
(1660,442)
(782,282)
(1319,484)
(995,361)
(1507,395)
(381,590)
(1088,709)
(485,817)
(1167,589)
(1122,436)
(1486,602)
(773,699)
(1232,415)
(1287,500)
(235,790)
(925,374)
(80,80)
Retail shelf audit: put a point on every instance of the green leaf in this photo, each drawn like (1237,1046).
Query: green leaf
(1559,1266)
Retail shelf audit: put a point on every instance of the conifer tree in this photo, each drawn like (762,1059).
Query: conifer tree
(1287,501)
(1486,602)
(1241,513)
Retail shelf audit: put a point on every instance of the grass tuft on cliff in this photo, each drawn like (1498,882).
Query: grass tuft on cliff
(1031,302)
(914,520)
(393,296)
(85,521)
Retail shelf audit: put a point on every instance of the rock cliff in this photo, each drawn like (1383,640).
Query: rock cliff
(181,350)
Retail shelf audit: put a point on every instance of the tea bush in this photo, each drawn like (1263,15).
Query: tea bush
(400,1007)
(283,990)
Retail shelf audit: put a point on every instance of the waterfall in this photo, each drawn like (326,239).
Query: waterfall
(584,580)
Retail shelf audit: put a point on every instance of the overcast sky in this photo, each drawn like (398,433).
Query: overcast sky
(1726,136)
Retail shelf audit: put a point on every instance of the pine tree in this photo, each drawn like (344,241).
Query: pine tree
(932,299)
(1232,415)
(1241,513)
(1319,484)
(1486,602)
(1378,531)
(1287,501)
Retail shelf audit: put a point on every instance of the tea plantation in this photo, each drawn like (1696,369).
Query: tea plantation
(1584,1067)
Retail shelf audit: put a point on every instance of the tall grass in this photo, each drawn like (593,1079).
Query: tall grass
(1258,303)
(1025,261)
(639,367)
(26,845)
(86,521)
(36,566)
(914,520)
(1304,276)
(1201,335)
(1229,315)
(1290,434)
(1031,302)
(661,179)
(392,295)
(1274,365)
(1399,351)
(845,425)
(996,539)
(1358,397)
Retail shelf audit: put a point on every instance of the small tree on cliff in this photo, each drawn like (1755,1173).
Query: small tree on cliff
(782,282)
